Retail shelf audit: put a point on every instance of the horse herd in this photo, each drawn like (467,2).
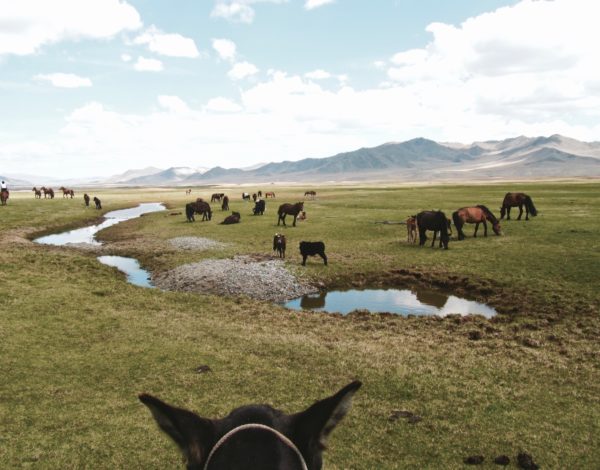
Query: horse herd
(437,221)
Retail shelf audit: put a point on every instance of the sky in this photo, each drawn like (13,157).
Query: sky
(97,87)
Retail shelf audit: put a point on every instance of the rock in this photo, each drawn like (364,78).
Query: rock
(474,460)
(525,461)
(502,460)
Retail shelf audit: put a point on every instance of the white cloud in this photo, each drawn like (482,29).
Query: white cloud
(222,105)
(64,80)
(27,25)
(241,70)
(173,103)
(225,48)
(238,11)
(312,4)
(173,45)
(148,65)
(318,74)
(126,57)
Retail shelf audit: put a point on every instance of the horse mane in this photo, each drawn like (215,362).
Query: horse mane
(488,214)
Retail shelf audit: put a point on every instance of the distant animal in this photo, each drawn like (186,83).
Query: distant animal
(269,194)
(289,209)
(97,202)
(517,200)
(310,193)
(279,244)
(435,221)
(216,197)
(302,215)
(411,229)
(67,192)
(475,215)
(234,218)
(225,204)
(312,249)
(259,193)
(254,197)
(86,199)
(188,191)
(254,436)
(48,192)
(37,194)
(259,207)
(198,207)
(246,196)
(4,195)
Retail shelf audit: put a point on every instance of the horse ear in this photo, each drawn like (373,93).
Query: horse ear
(190,432)
(317,421)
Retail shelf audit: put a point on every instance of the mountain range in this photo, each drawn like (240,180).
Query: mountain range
(414,160)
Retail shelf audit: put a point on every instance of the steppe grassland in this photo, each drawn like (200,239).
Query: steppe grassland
(78,343)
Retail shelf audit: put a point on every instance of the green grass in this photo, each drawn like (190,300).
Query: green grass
(77,343)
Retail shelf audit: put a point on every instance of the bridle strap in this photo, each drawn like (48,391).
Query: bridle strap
(243,427)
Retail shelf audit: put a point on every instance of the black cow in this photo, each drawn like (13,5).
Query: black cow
(259,207)
(97,202)
(279,244)
(312,249)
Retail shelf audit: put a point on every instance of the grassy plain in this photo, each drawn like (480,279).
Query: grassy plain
(77,343)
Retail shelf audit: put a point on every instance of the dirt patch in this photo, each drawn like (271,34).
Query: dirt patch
(196,243)
(242,275)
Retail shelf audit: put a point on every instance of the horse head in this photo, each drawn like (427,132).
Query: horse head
(497,229)
(260,434)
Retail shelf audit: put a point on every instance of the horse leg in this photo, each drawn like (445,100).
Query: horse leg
(304,260)
(294,224)
(526,212)
(484,228)
(324,256)
(422,236)
(508,213)
(476,228)
(434,237)
(520,211)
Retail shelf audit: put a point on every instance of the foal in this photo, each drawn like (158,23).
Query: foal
(411,229)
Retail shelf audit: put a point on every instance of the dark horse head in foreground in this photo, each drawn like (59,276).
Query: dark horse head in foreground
(254,436)
(517,200)
(435,221)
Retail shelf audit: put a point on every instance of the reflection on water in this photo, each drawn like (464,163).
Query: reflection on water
(401,302)
(87,234)
(131,267)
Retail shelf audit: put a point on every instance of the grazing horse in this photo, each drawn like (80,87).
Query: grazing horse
(86,199)
(225,204)
(259,207)
(198,207)
(313,194)
(254,436)
(449,226)
(279,244)
(517,200)
(216,197)
(246,196)
(291,209)
(475,215)
(259,193)
(411,229)
(254,197)
(234,218)
(312,249)
(269,194)
(98,203)
(436,221)
(4,195)
(37,193)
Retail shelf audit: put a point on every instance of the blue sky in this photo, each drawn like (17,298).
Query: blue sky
(98,87)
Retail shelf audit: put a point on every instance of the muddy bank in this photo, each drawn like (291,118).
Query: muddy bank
(242,275)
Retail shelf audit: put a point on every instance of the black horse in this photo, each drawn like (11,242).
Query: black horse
(433,220)
(225,204)
(198,207)
(234,218)
(259,207)
(291,209)
(254,436)
(98,203)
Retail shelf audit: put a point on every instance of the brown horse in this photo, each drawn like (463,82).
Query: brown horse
(48,192)
(67,192)
(312,194)
(37,193)
(86,199)
(188,191)
(269,194)
(225,204)
(4,197)
(289,209)
(216,197)
(475,215)
(517,200)
(411,229)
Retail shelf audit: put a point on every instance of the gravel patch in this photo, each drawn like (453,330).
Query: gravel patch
(195,243)
(263,280)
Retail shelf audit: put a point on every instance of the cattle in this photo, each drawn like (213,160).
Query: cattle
(279,244)
(98,203)
(234,218)
(312,249)
(259,207)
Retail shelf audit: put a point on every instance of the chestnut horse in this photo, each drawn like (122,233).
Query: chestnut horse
(517,200)
(269,194)
(37,193)
(475,215)
(4,197)
(411,229)
(291,209)
(67,192)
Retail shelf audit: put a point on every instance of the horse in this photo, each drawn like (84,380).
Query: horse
(188,191)
(216,197)
(98,203)
(269,194)
(449,226)
(517,200)
(4,195)
(259,193)
(436,221)
(291,209)
(411,229)
(259,207)
(225,204)
(254,197)
(48,192)
(246,196)
(254,436)
(37,194)
(234,218)
(67,192)
(198,207)
(475,215)
(279,244)
(313,194)
(86,199)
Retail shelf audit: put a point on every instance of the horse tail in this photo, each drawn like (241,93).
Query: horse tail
(530,207)
(458,223)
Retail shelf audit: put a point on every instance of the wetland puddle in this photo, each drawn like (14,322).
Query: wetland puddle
(400,302)
(131,267)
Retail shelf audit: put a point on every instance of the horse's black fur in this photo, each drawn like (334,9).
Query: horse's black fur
(98,203)
(312,249)
(279,243)
(246,196)
(291,209)
(253,449)
(198,207)
(86,199)
(259,207)
(433,220)
(234,218)
(225,205)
